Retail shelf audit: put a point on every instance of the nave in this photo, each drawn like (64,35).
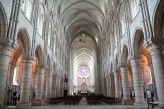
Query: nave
(54,52)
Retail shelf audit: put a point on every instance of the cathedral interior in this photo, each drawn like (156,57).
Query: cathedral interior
(85,54)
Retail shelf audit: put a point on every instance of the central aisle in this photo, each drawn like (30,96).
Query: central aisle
(83,101)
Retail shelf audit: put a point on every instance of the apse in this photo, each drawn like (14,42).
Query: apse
(83,59)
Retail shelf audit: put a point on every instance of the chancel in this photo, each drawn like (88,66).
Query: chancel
(82,54)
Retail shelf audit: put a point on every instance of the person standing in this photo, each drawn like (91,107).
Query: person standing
(14,96)
(133,96)
(149,96)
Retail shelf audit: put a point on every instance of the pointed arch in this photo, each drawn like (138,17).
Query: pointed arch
(3,23)
(39,55)
(138,42)
(24,39)
(158,20)
(124,55)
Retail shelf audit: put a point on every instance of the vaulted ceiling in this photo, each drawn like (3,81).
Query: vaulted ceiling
(82,17)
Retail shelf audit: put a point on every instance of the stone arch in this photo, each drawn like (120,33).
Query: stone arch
(124,55)
(39,55)
(138,42)
(16,60)
(41,18)
(24,38)
(158,20)
(3,23)
(23,44)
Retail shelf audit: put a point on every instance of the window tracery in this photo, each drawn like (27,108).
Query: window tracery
(26,8)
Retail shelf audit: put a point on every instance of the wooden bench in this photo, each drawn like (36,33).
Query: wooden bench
(55,101)
(72,100)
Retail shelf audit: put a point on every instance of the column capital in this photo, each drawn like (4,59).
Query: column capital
(5,50)
(25,57)
(49,74)
(40,66)
(157,41)
(155,49)
(124,69)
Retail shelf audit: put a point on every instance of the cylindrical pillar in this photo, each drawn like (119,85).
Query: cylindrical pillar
(157,61)
(54,86)
(138,82)
(26,80)
(49,84)
(125,83)
(4,62)
(117,85)
(39,96)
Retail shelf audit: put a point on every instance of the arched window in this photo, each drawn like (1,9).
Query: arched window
(29,9)
(22,8)
(49,34)
(134,8)
(122,19)
(26,8)
(40,19)
(115,33)
(84,70)
(54,41)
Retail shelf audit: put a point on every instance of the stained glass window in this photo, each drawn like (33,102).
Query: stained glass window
(84,70)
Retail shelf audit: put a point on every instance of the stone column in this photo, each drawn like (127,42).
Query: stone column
(125,84)
(39,97)
(26,80)
(54,86)
(62,88)
(117,84)
(138,83)
(49,84)
(58,88)
(157,61)
(4,62)
(9,83)
(107,87)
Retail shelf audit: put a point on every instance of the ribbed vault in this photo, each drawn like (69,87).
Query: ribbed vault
(81,16)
